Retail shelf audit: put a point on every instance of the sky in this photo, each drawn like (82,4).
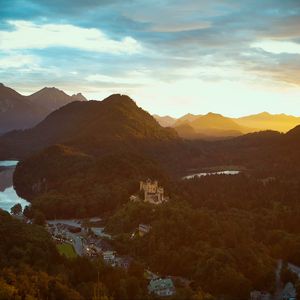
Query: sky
(171,56)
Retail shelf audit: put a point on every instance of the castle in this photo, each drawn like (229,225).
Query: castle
(153,193)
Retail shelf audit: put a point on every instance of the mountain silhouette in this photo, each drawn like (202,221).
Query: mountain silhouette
(208,126)
(267,121)
(215,126)
(90,125)
(165,121)
(17,111)
(53,98)
(21,112)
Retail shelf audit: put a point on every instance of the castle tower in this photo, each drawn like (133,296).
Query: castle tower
(153,193)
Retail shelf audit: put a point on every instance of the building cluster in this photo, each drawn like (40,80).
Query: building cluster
(288,293)
(143,229)
(150,192)
(94,242)
(258,295)
(110,257)
(161,287)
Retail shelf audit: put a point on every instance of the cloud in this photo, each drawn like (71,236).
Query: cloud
(16,61)
(28,35)
(278,47)
(126,79)
(175,44)
(175,27)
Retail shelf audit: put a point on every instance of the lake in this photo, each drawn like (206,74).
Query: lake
(8,163)
(8,195)
(226,172)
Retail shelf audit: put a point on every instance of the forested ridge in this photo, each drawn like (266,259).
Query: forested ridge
(225,233)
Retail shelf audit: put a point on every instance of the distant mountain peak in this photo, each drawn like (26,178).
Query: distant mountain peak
(264,113)
(188,115)
(119,99)
(165,121)
(52,98)
(16,111)
(211,114)
(78,97)
(51,90)
(102,123)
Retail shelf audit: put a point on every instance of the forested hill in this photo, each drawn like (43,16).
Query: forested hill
(32,269)
(27,258)
(62,182)
(88,125)
(108,146)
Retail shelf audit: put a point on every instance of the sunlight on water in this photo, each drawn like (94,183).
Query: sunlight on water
(9,197)
(8,163)
(212,173)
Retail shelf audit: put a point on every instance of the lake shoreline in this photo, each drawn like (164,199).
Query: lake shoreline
(8,195)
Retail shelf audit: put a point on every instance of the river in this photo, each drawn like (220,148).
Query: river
(8,195)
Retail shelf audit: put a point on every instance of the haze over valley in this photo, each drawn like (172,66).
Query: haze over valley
(21,112)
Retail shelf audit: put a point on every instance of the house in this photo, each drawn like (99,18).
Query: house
(109,257)
(99,232)
(144,229)
(134,198)
(258,295)
(295,269)
(161,287)
(181,281)
(289,292)
(150,275)
(124,262)
(153,193)
(91,250)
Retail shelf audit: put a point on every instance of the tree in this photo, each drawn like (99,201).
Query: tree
(39,218)
(6,291)
(28,212)
(201,295)
(288,276)
(16,209)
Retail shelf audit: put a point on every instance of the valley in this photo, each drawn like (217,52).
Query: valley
(63,173)
(149,150)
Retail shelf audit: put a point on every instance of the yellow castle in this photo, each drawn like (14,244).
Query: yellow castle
(153,193)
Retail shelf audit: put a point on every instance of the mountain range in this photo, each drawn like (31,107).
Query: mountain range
(216,126)
(115,141)
(53,98)
(89,125)
(21,112)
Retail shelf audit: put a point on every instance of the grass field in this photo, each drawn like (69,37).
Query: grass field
(66,250)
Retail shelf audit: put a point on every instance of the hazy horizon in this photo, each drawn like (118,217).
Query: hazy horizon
(161,115)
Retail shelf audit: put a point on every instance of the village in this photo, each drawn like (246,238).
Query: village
(87,237)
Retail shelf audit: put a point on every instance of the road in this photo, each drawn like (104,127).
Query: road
(277,295)
(77,243)
(294,269)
